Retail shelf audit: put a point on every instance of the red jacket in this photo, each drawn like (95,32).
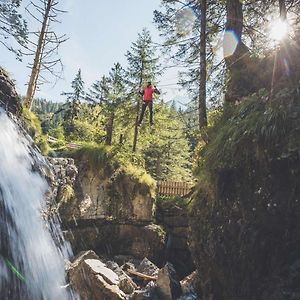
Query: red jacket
(148,94)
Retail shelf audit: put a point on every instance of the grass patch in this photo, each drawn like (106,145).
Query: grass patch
(94,156)
(141,176)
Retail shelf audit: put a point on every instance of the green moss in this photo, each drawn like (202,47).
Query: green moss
(257,129)
(32,125)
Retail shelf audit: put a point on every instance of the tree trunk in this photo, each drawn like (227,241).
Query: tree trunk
(35,71)
(109,129)
(138,104)
(136,128)
(203,74)
(282,10)
(234,22)
(240,81)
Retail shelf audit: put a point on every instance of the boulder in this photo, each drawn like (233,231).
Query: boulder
(189,283)
(9,98)
(142,241)
(93,280)
(147,267)
(139,295)
(98,267)
(148,293)
(168,284)
(125,284)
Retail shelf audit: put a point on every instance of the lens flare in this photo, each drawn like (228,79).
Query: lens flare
(230,43)
(14,270)
(184,21)
(278,30)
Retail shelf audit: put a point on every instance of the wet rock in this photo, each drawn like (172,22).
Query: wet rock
(147,267)
(168,284)
(126,284)
(98,267)
(128,266)
(81,256)
(140,242)
(188,284)
(109,238)
(9,98)
(93,280)
(139,295)
(148,293)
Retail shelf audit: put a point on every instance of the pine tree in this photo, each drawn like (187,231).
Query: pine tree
(143,67)
(189,29)
(12,25)
(166,151)
(109,93)
(74,98)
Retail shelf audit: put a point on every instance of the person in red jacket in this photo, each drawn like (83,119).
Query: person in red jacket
(147,93)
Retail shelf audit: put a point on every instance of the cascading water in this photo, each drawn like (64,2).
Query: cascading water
(31,263)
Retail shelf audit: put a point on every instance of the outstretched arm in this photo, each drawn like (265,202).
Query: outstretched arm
(156,91)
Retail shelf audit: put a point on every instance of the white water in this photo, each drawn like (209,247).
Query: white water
(25,241)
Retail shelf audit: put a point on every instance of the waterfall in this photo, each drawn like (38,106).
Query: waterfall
(31,260)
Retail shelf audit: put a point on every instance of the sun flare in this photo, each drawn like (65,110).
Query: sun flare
(278,30)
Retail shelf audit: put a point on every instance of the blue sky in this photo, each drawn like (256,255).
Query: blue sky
(100,33)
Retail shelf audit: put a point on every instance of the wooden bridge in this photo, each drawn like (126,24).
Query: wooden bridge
(172,188)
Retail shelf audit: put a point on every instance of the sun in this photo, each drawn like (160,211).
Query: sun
(278,30)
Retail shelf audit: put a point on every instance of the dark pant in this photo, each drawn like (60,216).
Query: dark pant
(144,106)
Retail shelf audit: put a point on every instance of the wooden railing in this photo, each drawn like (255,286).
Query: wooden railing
(172,188)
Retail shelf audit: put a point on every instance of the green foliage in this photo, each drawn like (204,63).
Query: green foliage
(33,126)
(50,113)
(254,130)
(167,202)
(12,25)
(66,193)
(108,117)
(57,132)
(73,105)
(142,61)
(83,131)
(164,147)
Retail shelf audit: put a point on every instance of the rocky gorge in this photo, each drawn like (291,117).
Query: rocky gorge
(120,236)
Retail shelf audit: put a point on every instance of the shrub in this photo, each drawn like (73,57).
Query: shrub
(33,126)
